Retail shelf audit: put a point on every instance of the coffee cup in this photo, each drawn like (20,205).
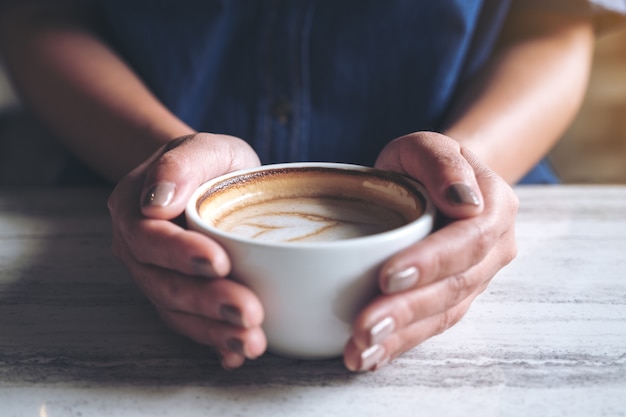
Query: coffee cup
(309,240)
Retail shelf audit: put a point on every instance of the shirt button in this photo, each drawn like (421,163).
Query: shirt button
(281,109)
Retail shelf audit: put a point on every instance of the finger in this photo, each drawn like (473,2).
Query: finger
(184,164)
(167,245)
(446,252)
(218,299)
(437,161)
(248,343)
(388,314)
(371,358)
(231,360)
(161,243)
(459,245)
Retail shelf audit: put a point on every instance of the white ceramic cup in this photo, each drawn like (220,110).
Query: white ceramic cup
(311,290)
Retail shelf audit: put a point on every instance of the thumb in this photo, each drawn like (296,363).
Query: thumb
(184,164)
(442,165)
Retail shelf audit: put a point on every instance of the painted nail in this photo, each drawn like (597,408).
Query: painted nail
(462,194)
(231,315)
(402,280)
(203,267)
(236,346)
(382,329)
(371,356)
(160,195)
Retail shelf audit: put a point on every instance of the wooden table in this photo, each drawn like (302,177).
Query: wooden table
(547,338)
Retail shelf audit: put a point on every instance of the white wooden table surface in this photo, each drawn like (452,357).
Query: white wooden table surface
(547,338)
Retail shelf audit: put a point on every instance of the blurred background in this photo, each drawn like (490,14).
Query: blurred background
(593,150)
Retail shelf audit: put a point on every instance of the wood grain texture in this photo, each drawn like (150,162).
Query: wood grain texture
(548,337)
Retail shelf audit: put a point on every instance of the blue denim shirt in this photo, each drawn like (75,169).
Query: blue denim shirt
(308,79)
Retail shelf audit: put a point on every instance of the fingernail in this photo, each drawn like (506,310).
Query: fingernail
(236,346)
(160,195)
(402,280)
(462,194)
(203,267)
(371,356)
(231,315)
(382,329)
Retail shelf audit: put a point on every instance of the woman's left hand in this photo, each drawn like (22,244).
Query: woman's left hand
(428,287)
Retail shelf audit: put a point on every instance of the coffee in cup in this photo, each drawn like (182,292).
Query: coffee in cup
(310,204)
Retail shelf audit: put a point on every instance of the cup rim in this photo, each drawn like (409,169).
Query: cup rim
(424,221)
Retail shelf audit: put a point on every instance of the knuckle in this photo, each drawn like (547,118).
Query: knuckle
(175,143)
(483,286)
(514,201)
(436,141)
(405,312)
(432,264)
(140,257)
(508,249)
(450,162)
(484,238)
(171,289)
(169,161)
(511,253)
(449,318)
(443,323)
(457,288)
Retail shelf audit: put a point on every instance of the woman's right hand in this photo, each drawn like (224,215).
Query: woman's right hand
(181,271)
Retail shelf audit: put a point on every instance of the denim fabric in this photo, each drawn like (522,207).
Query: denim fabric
(307,79)
(542,173)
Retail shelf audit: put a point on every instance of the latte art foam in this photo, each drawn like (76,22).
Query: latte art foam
(305,219)
(310,204)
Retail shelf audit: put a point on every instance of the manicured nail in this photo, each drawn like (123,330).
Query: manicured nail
(371,356)
(462,194)
(231,315)
(381,330)
(160,195)
(402,280)
(203,267)
(236,346)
